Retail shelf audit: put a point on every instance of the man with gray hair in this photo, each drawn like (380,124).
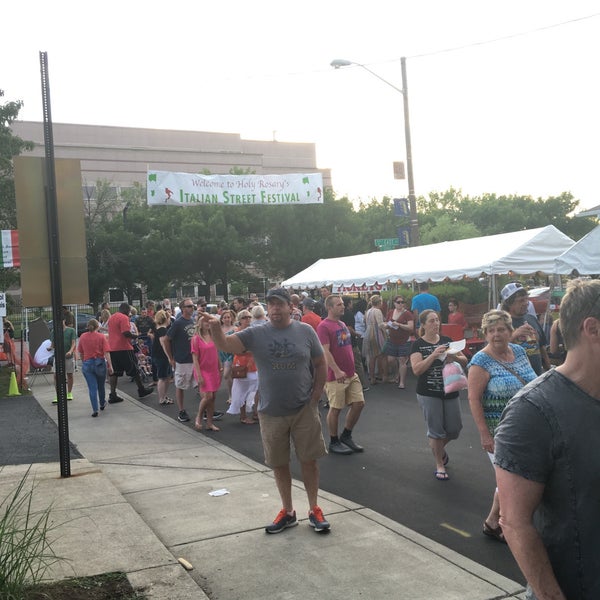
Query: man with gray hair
(547,457)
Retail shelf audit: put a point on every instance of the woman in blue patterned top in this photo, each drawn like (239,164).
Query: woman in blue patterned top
(496,374)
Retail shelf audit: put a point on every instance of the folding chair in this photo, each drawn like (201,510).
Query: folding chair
(35,370)
(38,334)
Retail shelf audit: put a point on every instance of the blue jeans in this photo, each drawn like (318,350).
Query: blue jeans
(94,371)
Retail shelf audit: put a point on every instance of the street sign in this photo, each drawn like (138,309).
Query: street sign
(387,243)
(401,208)
(2,304)
(404,236)
(399,170)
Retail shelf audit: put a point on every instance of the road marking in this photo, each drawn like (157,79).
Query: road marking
(456,530)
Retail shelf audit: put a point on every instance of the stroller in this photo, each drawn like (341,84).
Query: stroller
(143,359)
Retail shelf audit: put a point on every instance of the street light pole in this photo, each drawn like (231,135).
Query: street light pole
(412,200)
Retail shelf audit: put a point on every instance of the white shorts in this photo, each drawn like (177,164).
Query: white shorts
(184,376)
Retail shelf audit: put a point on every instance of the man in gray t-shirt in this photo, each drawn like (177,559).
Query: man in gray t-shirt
(547,457)
(292,372)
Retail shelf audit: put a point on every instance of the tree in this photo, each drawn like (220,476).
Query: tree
(489,214)
(297,236)
(10,146)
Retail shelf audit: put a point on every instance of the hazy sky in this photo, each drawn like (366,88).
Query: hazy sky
(517,115)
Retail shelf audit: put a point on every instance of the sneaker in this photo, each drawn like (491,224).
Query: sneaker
(282,521)
(183,417)
(144,392)
(55,401)
(217,415)
(69,395)
(339,448)
(317,520)
(348,441)
(366,388)
(113,399)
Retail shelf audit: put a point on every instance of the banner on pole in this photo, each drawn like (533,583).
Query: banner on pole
(10,249)
(166,188)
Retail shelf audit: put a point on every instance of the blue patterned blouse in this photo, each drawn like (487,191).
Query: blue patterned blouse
(503,385)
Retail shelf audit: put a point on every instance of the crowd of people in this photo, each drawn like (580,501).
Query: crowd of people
(279,364)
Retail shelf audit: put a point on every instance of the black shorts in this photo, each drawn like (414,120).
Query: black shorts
(124,361)
(163,367)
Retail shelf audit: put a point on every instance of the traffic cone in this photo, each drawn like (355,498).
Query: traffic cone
(13,388)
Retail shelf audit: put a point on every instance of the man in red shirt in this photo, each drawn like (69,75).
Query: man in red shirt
(343,385)
(308,314)
(122,355)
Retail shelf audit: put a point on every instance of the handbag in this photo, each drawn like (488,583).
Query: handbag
(454,378)
(239,371)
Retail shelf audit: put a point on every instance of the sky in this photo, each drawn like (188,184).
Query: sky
(503,96)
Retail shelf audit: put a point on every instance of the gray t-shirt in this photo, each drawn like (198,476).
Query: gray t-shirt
(283,359)
(549,433)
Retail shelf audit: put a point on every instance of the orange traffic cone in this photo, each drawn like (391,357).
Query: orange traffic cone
(13,388)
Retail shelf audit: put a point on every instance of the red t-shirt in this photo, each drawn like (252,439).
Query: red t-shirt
(400,335)
(92,345)
(118,324)
(313,319)
(337,336)
(457,318)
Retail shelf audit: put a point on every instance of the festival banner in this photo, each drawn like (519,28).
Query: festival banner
(166,188)
(10,249)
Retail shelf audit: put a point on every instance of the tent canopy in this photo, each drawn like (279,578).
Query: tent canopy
(521,252)
(583,256)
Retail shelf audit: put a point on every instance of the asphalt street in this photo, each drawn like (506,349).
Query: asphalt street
(27,433)
(394,476)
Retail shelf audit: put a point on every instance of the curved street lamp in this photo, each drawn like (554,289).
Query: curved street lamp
(412,200)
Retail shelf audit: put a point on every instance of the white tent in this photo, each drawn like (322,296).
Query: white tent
(521,252)
(583,256)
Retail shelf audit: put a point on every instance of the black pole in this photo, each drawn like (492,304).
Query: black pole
(55,274)
(412,200)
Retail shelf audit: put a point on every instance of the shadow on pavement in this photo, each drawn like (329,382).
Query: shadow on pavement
(28,434)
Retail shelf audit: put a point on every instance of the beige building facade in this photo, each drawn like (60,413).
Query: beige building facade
(122,155)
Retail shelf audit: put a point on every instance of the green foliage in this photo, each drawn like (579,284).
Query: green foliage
(490,214)
(469,291)
(25,551)
(10,146)
(446,228)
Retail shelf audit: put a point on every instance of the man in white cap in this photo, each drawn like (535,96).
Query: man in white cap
(527,333)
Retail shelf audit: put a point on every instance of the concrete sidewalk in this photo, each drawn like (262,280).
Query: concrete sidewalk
(139,500)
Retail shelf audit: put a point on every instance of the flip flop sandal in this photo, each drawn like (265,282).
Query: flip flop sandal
(441,476)
(495,533)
